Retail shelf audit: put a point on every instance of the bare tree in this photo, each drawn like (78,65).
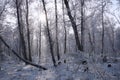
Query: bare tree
(56,23)
(103,27)
(28,31)
(49,34)
(40,39)
(74,26)
(65,31)
(82,25)
(18,5)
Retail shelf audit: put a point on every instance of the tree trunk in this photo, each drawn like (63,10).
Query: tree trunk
(28,31)
(40,43)
(103,27)
(56,23)
(49,35)
(74,26)
(91,43)
(65,31)
(21,31)
(26,61)
(82,25)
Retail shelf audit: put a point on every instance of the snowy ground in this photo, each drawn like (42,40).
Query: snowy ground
(77,67)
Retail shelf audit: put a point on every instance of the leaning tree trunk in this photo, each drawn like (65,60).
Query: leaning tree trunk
(49,35)
(15,53)
(74,26)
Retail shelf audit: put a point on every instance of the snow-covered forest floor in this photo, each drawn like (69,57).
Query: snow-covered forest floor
(74,66)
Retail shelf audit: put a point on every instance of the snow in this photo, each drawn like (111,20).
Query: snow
(78,66)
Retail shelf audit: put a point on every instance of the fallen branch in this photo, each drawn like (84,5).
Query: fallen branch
(15,53)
